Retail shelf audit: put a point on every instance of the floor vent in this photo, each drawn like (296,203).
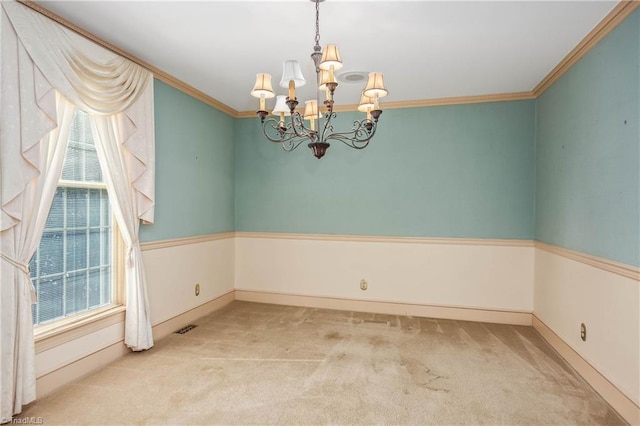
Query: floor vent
(186,328)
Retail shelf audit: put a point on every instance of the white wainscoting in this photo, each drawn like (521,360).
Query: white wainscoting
(172,269)
(463,274)
(569,292)
(501,281)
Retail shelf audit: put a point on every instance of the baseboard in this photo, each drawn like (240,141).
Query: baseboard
(54,380)
(628,409)
(169,326)
(385,307)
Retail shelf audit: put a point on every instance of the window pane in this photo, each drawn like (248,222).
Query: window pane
(95,281)
(71,269)
(50,302)
(76,292)
(105,283)
(76,207)
(56,214)
(95,247)
(95,206)
(51,259)
(106,209)
(93,170)
(73,164)
(106,252)
(76,253)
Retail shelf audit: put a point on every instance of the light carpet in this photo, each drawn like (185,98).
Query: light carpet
(253,363)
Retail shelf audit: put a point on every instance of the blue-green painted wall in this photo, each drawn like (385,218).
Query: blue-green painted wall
(451,171)
(588,152)
(194,168)
(564,169)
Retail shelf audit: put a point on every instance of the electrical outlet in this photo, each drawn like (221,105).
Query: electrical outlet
(197,289)
(363,284)
(583,332)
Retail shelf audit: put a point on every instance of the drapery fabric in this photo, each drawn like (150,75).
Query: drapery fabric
(17,246)
(46,71)
(116,133)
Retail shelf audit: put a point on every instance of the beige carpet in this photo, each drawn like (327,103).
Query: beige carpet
(263,364)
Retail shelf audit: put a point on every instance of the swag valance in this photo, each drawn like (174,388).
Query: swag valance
(46,72)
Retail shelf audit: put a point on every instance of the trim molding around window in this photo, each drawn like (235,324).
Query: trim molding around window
(51,335)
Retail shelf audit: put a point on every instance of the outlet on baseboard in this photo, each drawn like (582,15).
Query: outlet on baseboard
(363,284)
(197,289)
(583,332)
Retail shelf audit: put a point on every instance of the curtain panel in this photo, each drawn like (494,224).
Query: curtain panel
(46,71)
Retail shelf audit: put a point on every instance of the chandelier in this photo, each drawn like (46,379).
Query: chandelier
(319,129)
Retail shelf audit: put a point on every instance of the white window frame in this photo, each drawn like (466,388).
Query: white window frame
(61,330)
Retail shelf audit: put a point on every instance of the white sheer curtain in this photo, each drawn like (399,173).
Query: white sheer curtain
(17,245)
(115,134)
(39,58)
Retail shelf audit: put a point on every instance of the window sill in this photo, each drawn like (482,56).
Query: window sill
(51,335)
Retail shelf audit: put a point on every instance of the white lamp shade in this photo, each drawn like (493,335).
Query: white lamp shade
(262,88)
(366,103)
(281,106)
(331,57)
(291,71)
(325,77)
(375,86)
(311,109)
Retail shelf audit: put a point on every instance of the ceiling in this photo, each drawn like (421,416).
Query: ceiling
(426,49)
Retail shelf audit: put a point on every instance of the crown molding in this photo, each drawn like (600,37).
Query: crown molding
(618,14)
(420,103)
(621,11)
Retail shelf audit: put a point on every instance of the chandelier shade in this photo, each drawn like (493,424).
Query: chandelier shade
(325,77)
(291,71)
(292,132)
(366,103)
(263,88)
(375,86)
(281,106)
(310,109)
(330,58)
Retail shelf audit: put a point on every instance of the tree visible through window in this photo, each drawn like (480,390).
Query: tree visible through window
(72,268)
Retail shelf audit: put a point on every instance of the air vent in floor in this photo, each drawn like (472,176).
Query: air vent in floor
(186,328)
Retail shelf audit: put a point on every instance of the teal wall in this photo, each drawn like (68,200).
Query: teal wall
(194,168)
(564,169)
(588,152)
(450,171)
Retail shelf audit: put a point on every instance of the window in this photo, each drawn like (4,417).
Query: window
(72,269)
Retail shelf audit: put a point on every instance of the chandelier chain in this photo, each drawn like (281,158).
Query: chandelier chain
(317,23)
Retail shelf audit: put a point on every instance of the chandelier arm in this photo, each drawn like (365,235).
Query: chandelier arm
(283,135)
(327,124)
(286,136)
(350,142)
(291,144)
(358,137)
(298,122)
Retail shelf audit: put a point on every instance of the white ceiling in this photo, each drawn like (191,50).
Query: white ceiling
(426,49)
